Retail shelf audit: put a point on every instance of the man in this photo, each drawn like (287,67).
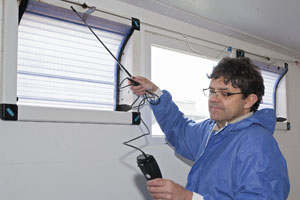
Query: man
(235,155)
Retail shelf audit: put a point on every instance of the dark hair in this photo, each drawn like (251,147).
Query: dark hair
(243,74)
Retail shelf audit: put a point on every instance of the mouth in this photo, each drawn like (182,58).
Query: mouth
(215,108)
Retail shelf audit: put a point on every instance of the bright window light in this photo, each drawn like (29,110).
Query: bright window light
(184,75)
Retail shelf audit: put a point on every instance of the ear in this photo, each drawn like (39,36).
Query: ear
(250,101)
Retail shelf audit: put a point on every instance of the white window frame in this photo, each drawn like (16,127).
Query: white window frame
(8,74)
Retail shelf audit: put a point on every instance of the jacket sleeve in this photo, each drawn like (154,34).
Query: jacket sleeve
(260,169)
(182,133)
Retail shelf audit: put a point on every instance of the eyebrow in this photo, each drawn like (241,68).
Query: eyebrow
(222,89)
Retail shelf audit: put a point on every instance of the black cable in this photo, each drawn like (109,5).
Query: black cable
(122,67)
(142,102)
(134,102)
(146,98)
(121,83)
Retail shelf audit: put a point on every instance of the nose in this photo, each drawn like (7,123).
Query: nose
(214,97)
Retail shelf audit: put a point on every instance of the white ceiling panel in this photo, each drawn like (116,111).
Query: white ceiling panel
(273,24)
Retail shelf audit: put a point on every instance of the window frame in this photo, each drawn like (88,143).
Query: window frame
(164,38)
(159,37)
(281,90)
(8,93)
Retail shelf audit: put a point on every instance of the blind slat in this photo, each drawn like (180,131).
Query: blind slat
(60,63)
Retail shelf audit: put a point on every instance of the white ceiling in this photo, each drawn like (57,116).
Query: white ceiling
(273,24)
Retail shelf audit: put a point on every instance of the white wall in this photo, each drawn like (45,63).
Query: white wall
(40,160)
(74,161)
(289,141)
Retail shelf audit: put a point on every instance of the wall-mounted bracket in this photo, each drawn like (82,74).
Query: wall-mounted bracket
(240,53)
(9,112)
(136,118)
(136,25)
(88,12)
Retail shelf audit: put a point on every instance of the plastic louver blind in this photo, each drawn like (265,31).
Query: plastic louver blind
(270,80)
(61,64)
(271,75)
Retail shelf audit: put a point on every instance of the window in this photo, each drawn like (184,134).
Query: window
(57,19)
(187,76)
(272,76)
(61,63)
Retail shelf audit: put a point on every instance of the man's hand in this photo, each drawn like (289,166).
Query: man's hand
(164,189)
(145,85)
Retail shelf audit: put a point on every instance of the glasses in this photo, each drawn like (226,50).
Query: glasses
(209,92)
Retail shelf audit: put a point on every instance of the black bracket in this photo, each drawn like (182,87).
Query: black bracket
(240,53)
(135,23)
(9,112)
(286,66)
(288,126)
(136,118)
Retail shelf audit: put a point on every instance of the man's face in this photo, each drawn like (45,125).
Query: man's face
(223,109)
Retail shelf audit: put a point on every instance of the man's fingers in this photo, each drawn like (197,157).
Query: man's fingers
(139,90)
(158,182)
(155,190)
(161,196)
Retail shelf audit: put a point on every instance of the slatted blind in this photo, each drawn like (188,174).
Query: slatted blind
(60,63)
(270,79)
(271,75)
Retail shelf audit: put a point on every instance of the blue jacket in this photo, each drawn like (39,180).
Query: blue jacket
(241,162)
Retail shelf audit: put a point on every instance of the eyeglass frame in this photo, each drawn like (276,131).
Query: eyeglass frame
(223,93)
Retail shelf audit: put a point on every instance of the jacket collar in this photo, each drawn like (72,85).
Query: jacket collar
(217,128)
(264,117)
